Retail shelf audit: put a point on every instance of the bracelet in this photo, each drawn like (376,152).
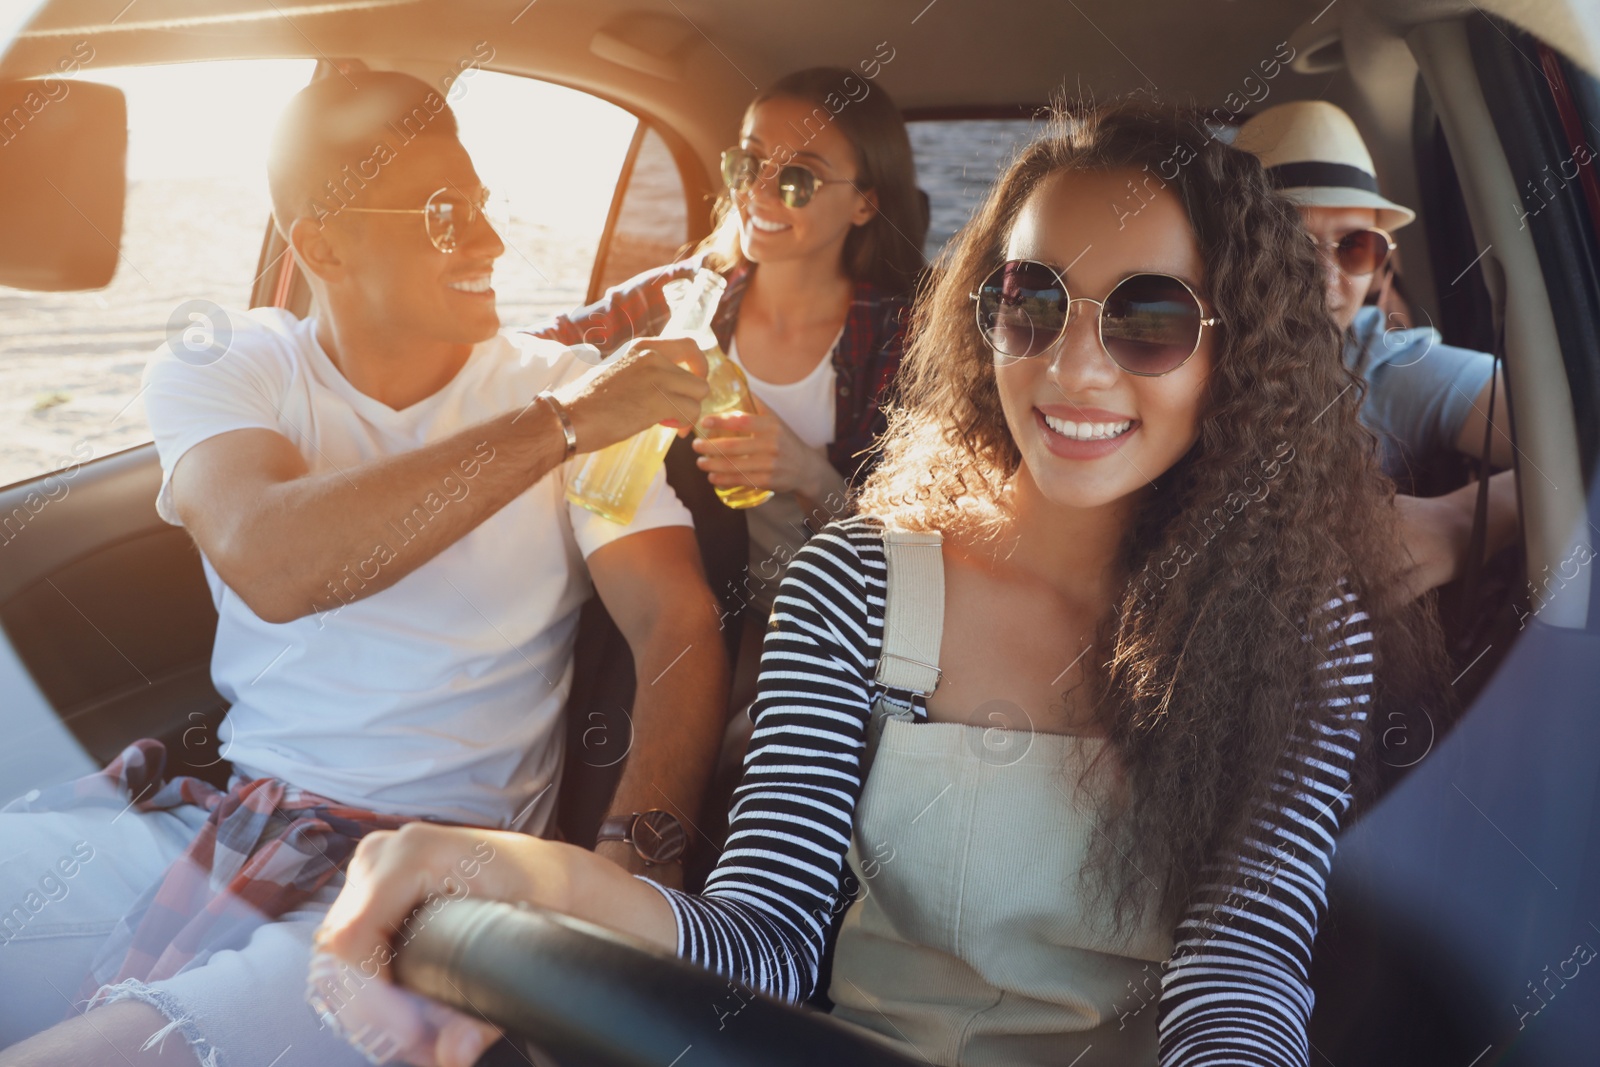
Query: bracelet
(567,431)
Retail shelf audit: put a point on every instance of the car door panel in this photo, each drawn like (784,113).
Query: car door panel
(107,608)
(1455,899)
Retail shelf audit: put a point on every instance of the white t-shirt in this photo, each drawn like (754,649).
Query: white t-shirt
(442,695)
(777,527)
(808,406)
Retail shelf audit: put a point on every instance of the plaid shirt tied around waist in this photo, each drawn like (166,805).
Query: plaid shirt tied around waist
(265,850)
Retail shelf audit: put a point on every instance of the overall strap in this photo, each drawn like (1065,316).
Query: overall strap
(913,611)
(913,623)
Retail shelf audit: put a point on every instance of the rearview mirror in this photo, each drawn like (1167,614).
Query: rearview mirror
(63,177)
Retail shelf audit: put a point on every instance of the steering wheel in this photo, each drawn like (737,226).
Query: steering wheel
(587,994)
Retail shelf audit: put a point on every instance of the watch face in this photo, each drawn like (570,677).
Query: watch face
(659,836)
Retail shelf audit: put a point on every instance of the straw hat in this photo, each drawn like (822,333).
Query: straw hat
(1315,154)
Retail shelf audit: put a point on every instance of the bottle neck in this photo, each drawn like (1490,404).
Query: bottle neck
(692,314)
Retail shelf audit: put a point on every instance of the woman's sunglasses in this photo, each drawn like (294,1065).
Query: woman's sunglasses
(1149,324)
(741,168)
(1359,252)
(447,213)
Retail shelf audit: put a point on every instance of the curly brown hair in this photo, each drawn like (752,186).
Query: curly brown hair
(1232,562)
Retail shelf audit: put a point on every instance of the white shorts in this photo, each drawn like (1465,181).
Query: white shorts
(66,877)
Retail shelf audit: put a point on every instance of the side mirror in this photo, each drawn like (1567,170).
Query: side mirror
(63,180)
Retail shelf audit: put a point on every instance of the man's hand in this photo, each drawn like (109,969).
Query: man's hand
(1436,532)
(652,380)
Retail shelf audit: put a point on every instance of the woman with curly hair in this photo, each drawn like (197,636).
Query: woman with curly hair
(1054,736)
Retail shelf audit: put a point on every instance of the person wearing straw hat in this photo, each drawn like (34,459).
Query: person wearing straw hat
(1424,398)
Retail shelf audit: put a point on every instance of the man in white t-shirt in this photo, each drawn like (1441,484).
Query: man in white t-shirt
(378,495)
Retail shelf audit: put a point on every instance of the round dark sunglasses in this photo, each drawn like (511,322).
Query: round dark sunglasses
(1149,324)
(741,168)
(1360,251)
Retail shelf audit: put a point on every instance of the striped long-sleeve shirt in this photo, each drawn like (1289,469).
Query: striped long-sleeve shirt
(1236,989)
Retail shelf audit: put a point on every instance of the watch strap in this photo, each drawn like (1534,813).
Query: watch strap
(617,828)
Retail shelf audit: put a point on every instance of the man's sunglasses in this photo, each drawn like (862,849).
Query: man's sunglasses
(741,168)
(447,213)
(1359,252)
(1149,324)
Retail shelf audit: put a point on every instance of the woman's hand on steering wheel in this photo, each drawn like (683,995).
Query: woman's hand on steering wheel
(395,882)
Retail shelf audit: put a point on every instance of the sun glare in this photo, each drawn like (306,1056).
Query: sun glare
(177,132)
(541,144)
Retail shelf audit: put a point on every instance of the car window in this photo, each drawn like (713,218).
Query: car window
(556,154)
(957,161)
(197,192)
(652,223)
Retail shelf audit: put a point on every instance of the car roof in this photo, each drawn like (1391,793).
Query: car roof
(708,55)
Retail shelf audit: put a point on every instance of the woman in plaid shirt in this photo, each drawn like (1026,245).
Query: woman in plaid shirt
(820,238)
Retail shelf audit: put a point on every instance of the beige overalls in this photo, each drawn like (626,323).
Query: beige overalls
(972,943)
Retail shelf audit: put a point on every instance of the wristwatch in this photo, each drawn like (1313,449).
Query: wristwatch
(656,835)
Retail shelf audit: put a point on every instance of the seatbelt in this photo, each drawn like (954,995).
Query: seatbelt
(1480,514)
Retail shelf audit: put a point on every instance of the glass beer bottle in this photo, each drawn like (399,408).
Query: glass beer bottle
(612,481)
(730,391)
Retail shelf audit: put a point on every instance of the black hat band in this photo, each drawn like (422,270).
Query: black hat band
(1338,175)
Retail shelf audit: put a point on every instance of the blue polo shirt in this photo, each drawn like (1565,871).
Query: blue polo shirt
(1419,389)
